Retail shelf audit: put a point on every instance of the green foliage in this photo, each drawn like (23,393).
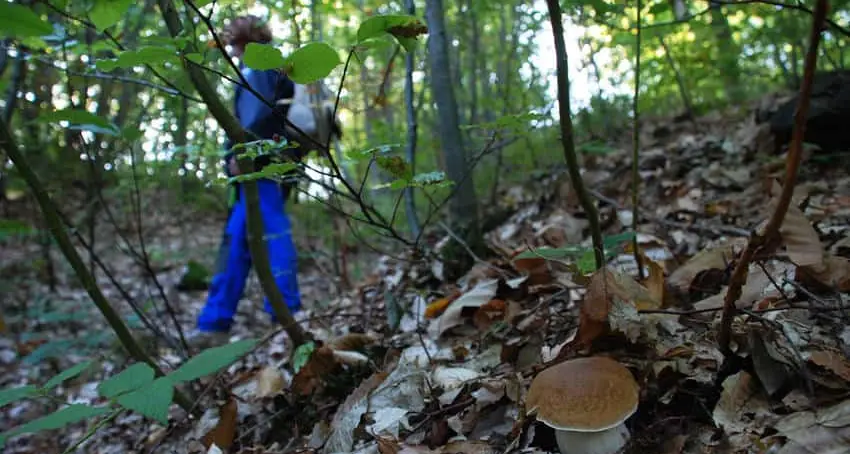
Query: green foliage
(302,355)
(67,374)
(403,28)
(133,389)
(10,395)
(106,13)
(262,57)
(83,120)
(133,377)
(69,415)
(11,228)
(312,62)
(211,360)
(149,55)
(582,256)
(21,22)
(152,399)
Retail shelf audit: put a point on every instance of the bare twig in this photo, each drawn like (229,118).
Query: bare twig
(766,240)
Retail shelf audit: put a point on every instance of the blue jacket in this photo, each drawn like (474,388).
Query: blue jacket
(253,114)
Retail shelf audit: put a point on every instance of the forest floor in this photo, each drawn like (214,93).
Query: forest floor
(409,363)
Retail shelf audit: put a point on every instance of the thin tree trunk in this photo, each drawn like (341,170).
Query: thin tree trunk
(409,201)
(680,81)
(463,204)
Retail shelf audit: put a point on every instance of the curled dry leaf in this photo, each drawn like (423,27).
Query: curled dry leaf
(605,287)
(536,268)
(352,341)
(475,298)
(437,307)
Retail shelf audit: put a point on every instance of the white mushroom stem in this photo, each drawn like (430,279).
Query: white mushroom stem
(608,441)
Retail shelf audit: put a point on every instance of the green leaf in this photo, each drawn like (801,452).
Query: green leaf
(262,57)
(151,400)
(10,395)
(587,262)
(57,420)
(129,379)
(403,27)
(302,355)
(48,349)
(107,13)
(150,55)
(194,57)
(68,374)
(211,360)
(80,119)
(311,63)
(612,241)
(21,22)
(429,178)
(395,166)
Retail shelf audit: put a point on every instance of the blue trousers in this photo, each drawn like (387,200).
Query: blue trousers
(234,261)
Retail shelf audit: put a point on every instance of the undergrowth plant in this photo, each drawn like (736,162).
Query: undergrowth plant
(135,389)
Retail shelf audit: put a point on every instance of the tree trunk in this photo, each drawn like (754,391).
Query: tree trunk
(463,205)
(729,52)
(409,202)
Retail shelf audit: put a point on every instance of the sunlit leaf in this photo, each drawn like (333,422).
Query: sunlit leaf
(311,62)
(131,378)
(211,360)
(80,119)
(262,57)
(404,28)
(150,55)
(21,22)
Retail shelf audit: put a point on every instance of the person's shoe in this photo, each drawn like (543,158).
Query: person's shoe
(202,340)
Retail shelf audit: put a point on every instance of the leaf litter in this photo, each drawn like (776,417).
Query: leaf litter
(407,363)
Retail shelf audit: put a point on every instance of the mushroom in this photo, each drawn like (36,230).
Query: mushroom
(586,401)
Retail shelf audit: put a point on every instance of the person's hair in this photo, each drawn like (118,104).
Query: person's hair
(247,29)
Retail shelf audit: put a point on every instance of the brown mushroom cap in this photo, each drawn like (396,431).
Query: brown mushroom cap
(584,395)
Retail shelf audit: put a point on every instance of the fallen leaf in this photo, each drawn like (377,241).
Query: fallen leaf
(474,298)
(825,430)
(269,382)
(536,268)
(321,363)
(437,307)
(800,238)
(222,435)
(832,361)
(834,273)
(489,314)
(717,257)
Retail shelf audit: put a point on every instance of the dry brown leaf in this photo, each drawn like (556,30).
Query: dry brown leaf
(475,298)
(223,433)
(717,257)
(489,314)
(834,273)
(654,282)
(321,363)
(833,361)
(536,268)
(741,410)
(825,430)
(387,445)
(352,341)
(269,382)
(800,238)
(469,447)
